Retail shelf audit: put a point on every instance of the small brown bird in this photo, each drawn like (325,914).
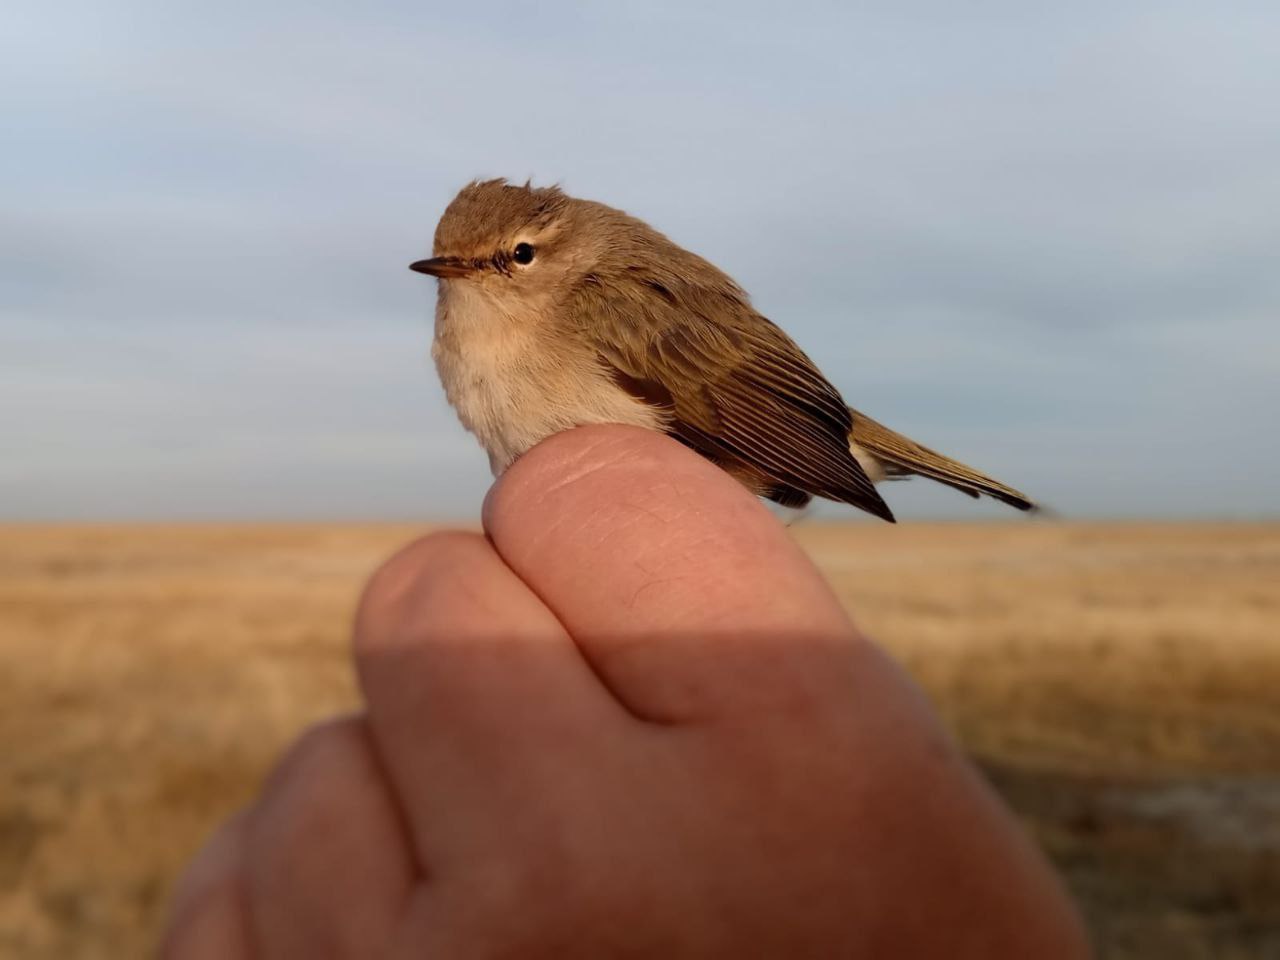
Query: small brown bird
(555,312)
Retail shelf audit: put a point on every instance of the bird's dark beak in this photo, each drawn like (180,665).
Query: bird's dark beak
(442,267)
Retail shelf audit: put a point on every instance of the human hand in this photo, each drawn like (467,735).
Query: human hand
(633,721)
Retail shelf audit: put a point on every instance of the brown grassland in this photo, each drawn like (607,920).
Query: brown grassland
(1117,683)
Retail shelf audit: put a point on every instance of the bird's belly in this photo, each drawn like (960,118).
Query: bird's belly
(512,395)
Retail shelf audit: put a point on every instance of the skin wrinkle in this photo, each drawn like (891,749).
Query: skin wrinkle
(666,493)
(544,496)
(697,546)
(653,514)
(644,568)
(630,516)
(619,527)
(570,480)
(677,520)
(618,522)
(649,585)
(706,590)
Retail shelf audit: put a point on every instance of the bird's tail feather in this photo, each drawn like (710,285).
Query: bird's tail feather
(901,455)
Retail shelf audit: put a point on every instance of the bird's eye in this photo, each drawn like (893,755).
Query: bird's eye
(522,254)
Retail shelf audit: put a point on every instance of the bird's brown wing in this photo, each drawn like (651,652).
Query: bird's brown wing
(736,389)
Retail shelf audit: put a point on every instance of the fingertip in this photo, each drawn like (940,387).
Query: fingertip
(404,586)
(594,517)
(317,748)
(462,668)
(645,551)
(595,468)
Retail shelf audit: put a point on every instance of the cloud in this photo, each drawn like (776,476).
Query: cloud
(1038,239)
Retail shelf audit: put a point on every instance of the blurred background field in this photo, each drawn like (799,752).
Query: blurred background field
(1117,683)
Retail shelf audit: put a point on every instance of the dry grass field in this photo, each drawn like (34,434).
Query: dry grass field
(1120,684)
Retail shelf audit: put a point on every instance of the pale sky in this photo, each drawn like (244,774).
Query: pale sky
(1042,238)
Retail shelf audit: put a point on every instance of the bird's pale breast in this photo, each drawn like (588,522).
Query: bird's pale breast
(513,384)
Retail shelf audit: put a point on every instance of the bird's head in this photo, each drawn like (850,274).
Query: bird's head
(524,248)
(511,242)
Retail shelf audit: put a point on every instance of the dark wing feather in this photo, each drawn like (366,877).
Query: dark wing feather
(737,389)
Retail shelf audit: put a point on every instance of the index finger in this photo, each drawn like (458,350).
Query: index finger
(684,592)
